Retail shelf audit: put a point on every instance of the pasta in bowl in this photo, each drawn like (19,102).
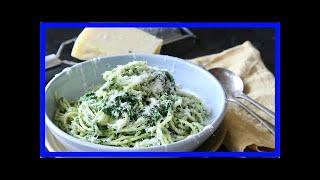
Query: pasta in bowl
(135,105)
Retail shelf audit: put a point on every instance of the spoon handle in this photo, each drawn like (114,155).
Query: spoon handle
(264,122)
(261,107)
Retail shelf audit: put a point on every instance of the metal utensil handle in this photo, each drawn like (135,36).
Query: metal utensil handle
(255,103)
(63,44)
(265,123)
(52,60)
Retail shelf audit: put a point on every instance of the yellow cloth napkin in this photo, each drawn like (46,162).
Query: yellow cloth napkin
(243,130)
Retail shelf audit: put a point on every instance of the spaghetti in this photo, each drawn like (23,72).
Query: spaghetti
(137,106)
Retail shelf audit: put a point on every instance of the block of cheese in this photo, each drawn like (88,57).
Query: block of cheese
(101,42)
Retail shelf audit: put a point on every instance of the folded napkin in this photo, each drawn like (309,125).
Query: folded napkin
(243,131)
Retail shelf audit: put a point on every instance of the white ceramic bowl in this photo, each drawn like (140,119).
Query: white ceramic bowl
(75,81)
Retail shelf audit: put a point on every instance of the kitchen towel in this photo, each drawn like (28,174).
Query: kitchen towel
(243,131)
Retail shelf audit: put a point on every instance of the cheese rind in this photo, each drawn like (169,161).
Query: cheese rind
(100,42)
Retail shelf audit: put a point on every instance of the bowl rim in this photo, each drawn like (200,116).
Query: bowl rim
(56,131)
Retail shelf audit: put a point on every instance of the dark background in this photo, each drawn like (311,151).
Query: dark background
(216,40)
(208,41)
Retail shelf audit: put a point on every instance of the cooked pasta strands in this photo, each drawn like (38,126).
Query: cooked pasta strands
(137,106)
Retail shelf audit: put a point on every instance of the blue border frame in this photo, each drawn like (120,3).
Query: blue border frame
(273,25)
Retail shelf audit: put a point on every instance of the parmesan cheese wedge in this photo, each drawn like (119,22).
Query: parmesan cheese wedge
(101,42)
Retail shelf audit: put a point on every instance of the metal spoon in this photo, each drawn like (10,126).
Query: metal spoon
(233,86)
